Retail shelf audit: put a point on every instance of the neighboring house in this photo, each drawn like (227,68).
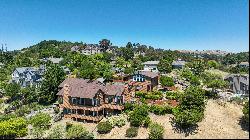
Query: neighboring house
(92,49)
(244,64)
(151,66)
(143,81)
(136,54)
(239,84)
(52,59)
(85,100)
(28,76)
(178,64)
(75,48)
(110,50)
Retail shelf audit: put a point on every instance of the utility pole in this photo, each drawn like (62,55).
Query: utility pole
(2,48)
(5,47)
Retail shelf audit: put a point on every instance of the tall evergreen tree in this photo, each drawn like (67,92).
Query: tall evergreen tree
(53,76)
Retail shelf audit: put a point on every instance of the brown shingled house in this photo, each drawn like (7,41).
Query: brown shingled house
(85,100)
(143,81)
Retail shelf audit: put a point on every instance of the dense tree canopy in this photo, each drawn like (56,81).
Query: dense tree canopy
(165,66)
(52,78)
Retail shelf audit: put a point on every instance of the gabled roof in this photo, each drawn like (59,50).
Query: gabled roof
(148,73)
(25,69)
(178,62)
(244,63)
(114,90)
(85,88)
(151,63)
(55,60)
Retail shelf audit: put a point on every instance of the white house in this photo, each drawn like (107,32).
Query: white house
(151,66)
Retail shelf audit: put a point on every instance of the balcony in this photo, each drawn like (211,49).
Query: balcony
(83,117)
(93,108)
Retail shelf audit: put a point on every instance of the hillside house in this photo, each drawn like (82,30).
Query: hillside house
(92,49)
(74,48)
(85,100)
(52,59)
(150,66)
(239,84)
(143,81)
(244,64)
(178,64)
(28,76)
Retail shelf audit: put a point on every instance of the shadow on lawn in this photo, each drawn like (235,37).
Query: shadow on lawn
(187,131)
(244,125)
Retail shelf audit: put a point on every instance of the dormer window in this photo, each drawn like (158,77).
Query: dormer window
(139,78)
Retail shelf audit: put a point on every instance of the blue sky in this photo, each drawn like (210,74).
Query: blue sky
(168,24)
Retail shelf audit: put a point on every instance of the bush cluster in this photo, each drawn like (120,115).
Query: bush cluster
(191,108)
(77,131)
(167,81)
(154,95)
(57,132)
(132,132)
(139,116)
(104,127)
(13,127)
(117,120)
(129,107)
(161,109)
(156,131)
(41,120)
(246,112)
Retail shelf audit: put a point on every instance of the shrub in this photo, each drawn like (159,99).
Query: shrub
(41,120)
(1,101)
(140,94)
(246,112)
(161,110)
(57,132)
(117,120)
(187,118)
(79,132)
(146,121)
(167,81)
(132,132)
(6,117)
(195,80)
(237,100)
(191,108)
(13,127)
(104,127)
(23,110)
(68,125)
(211,95)
(37,133)
(156,131)
(194,97)
(138,116)
(129,107)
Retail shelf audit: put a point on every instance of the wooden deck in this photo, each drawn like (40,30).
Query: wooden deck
(90,118)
